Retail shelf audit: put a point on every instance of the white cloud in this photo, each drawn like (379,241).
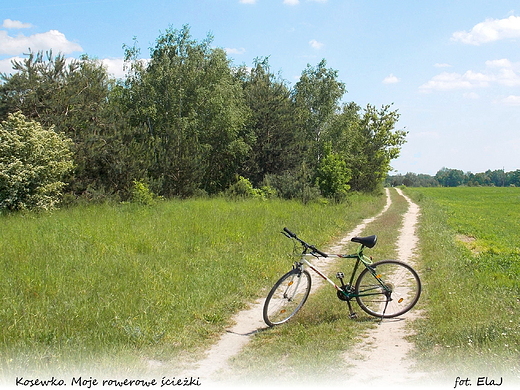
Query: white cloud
(508,77)
(114,66)
(315,44)
(6,66)
(502,72)
(391,79)
(52,39)
(490,30)
(15,24)
(230,50)
(507,73)
(247,1)
(503,63)
(443,65)
(512,100)
(450,81)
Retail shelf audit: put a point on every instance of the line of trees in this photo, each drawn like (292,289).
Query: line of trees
(188,122)
(447,177)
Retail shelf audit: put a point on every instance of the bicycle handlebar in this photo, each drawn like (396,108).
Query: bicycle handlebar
(289,233)
(313,249)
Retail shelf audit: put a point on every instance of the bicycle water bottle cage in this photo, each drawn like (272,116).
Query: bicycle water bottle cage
(369,241)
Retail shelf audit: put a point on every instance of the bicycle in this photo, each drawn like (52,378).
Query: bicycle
(384,289)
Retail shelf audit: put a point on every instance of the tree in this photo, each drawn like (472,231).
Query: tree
(189,113)
(72,96)
(316,95)
(513,178)
(497,177)
(373,145)
(33,162)
(332,175)
(450,177)
(276,147)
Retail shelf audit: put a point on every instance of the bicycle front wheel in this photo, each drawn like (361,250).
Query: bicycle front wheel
(399,292)
(287,297)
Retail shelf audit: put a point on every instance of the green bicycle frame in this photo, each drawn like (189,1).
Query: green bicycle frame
(360,258)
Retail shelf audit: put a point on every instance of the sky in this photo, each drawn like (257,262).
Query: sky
(451,68)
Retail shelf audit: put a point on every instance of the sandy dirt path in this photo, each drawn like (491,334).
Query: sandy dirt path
(382,353)
(250,321)
(382,357)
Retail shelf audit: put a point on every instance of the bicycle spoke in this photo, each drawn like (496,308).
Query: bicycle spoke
(400,292)
(287,297)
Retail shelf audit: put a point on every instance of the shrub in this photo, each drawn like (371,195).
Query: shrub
(142,194)
(33,162)
(332,176)
(244,189)
(293,185)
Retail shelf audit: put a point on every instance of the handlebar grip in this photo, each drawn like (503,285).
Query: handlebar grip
(291,234)
(319,252)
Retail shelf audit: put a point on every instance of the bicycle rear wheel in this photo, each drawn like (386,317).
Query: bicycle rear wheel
(402,292)
(287,297)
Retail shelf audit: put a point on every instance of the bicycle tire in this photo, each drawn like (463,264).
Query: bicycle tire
(287,297)
(375,300)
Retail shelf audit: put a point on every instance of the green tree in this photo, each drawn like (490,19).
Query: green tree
(72,96)
(33,162)
(450,177)
(497,177)
(276,147)
(373,144)
(332,175)
(316,95)
(513,178)
(189,113)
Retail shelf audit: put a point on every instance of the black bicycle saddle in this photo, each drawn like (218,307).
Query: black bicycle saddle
(369,241)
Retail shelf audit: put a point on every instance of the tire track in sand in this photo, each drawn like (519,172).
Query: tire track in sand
(250,321)
(382,357)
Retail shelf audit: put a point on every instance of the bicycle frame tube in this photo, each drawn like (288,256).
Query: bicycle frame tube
(360,258)
(311,266)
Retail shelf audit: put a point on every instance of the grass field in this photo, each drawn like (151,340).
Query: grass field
(119,284)
(470,249)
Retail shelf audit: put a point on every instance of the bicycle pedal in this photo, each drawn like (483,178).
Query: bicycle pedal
(353,316)
(340,275)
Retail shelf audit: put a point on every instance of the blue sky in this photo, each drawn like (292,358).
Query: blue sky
(451,68)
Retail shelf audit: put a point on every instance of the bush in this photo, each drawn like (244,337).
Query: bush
(293,185)
(244,189)
(33,162)
(142,194)
(332,176)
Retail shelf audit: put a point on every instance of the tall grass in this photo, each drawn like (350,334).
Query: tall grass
(109,284)
(471,254)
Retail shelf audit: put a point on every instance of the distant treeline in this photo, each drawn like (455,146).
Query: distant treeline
(455,177)
(186,122)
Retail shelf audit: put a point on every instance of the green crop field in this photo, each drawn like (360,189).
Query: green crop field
(470,250)
(114,285)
